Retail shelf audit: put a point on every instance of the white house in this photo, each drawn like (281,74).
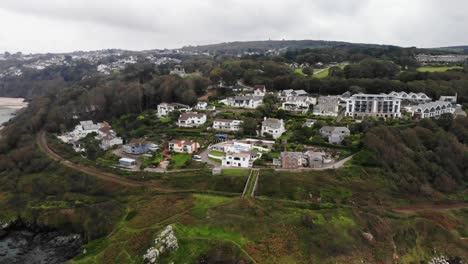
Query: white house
(260,90)
(183,146)
(288,95)
(299,104)
(164,109)
(374,105)
(201,105)
(204,106)
(240,160)
(273,127)
(227,124)
(247,101)
(191,119)
(104,134)
(108,137)
(178,70)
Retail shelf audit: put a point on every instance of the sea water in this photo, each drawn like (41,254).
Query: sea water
(9,106)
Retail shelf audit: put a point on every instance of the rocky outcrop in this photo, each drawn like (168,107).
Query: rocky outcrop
(28,243)
(165,242)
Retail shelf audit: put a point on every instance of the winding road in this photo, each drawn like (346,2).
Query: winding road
(106,176)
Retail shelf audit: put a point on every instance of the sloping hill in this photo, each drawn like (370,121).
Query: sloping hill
(261,46)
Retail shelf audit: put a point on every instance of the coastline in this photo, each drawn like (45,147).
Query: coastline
(9,107)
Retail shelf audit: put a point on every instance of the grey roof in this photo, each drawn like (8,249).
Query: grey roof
(435,104)
(248,97)
(314,154)
(272,122)
(332,129)
(295,155)
(186,116)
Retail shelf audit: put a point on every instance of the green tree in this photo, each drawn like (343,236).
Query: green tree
(249,126)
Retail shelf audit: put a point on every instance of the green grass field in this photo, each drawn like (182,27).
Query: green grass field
(235,172)
(179,160)
(439,69)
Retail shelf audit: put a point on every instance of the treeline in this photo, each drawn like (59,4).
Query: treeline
(431,155)
(355,53)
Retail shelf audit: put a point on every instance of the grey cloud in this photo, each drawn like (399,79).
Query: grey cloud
(145,24)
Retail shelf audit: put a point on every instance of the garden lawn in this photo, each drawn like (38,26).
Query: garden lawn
(179,160)
(217,153)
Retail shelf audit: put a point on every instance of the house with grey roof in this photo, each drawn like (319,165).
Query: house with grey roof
(335,135)
(191,119)
(432,109)
(273,127)
(244,101)
(327,106)
(289,95)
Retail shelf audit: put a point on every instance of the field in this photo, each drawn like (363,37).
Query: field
(299,71)
(439,69)
(232,230)
(291,220)
(324,73)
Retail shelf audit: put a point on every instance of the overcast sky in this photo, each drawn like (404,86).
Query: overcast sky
(69,25)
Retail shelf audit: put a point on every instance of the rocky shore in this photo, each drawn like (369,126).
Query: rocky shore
(27,243)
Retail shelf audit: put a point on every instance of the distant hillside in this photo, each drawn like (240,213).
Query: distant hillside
(262,46)
(459,49)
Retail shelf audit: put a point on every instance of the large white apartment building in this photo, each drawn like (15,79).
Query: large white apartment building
(227,124)
(374,105)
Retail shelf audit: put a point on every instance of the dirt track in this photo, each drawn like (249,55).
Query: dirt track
(44,147)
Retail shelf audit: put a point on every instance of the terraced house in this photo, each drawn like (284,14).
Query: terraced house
(432,109)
